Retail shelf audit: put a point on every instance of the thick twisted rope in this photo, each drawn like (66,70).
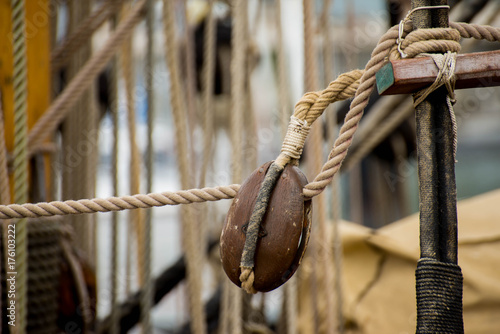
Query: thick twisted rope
(20,158)
(309,108)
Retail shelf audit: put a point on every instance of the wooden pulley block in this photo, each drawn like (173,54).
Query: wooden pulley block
(283,234)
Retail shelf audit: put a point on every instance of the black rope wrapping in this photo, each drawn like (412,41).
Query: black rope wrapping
(439,297)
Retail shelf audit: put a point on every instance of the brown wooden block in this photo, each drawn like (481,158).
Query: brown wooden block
(283,234)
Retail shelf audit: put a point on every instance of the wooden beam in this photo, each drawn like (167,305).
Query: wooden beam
(404,76)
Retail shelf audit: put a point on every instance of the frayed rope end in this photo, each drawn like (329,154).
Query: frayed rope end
(247,278)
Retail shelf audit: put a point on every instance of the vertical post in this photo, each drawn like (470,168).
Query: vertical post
(439,279)
(436,160)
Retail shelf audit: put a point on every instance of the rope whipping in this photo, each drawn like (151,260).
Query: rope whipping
(20,165)
(188,232)
(308,108)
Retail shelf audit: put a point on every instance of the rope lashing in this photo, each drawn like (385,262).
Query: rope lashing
(446,76)
(357,82)
(406,19)
(435,278)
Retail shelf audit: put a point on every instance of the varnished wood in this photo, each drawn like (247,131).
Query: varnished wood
(284,230)
(404,76)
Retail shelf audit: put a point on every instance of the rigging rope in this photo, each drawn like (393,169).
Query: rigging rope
(188,232)
(237,68)
(4,194)
(146,298)
(63,52)
(113,109)
(322,287)
(62,105)
(20,165)
(309,108)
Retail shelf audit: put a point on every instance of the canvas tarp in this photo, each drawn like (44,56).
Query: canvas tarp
(378,271)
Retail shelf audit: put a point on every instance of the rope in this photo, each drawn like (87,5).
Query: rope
(208,75)
(62,105)
(281,67)
(308,108)
(379,133)
(337,320)
(63,52)
(4,193)
(20,165)
(446,76)
(135,221)
(4,170)
(146,298)
(113,108)
(324,292)
(188,231)
(238,50)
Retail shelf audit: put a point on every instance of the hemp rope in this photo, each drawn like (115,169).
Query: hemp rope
(290,289)
(308,108)
(4,194)
(20,165)
(237,68)
(283,98)
(334,254)
(322,287)
(136,219)
(115,249)
(207,90)
(446,76)
(362,147)
(189,82)
(208,74)
(146,298)
(193,272)
(81,35)
(62,105)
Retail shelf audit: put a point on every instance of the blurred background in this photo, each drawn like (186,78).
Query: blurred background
(198,93)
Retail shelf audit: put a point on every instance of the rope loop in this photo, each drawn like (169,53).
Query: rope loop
(401,27)
(439,40)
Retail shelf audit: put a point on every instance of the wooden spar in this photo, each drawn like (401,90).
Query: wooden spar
(405,76)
